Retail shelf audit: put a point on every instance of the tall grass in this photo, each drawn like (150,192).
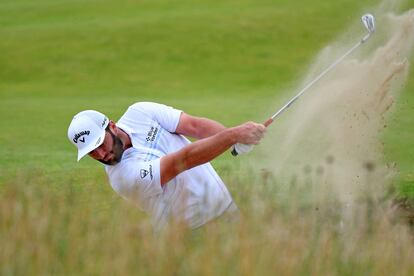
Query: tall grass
(283,230)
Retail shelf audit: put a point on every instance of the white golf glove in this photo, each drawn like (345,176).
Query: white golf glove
(238,149)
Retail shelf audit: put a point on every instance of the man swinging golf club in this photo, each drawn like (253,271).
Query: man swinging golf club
(149,161)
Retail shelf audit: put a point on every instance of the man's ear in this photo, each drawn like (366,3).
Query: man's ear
(112,126)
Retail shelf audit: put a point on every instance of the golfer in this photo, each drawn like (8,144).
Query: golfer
(150,163)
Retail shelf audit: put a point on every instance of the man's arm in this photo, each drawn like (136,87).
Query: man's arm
(204,150)
(197,127)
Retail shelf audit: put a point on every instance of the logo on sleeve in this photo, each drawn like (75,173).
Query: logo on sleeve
(143,172)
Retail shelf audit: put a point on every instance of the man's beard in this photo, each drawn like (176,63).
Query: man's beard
(117,150)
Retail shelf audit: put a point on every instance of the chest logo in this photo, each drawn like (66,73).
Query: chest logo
(152,133)
(143,172)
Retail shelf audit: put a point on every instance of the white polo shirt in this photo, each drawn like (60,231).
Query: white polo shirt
(194,197)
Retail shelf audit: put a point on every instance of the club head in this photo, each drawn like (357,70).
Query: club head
(369,22)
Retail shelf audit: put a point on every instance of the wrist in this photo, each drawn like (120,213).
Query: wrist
(233,135)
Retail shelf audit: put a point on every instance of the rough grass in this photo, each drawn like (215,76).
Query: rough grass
(68,229)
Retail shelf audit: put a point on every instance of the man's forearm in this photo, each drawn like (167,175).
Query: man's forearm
(205,150)
(207,128)
(195,154)
(198,127)
(209,148)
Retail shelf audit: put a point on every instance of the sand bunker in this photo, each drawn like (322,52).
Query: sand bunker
(332,132)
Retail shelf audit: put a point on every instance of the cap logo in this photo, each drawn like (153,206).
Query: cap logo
(79,135)
(97,142)
(104,121)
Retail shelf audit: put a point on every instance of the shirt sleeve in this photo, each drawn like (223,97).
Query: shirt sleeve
(166,116)
(138,181)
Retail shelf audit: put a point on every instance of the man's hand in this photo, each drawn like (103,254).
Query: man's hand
(250,134)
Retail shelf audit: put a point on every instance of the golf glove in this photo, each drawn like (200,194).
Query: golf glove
(238,149)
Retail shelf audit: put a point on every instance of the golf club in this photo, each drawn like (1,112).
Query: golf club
(369,22)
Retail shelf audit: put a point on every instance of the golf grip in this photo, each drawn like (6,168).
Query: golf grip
(266,124)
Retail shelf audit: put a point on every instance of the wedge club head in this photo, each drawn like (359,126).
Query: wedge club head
(369,22)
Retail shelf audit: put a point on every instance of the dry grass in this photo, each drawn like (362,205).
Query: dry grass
(59,231)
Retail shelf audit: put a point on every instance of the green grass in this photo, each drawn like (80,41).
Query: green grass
(227,60)
(62,57)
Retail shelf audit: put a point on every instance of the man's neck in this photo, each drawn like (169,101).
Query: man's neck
(126,140)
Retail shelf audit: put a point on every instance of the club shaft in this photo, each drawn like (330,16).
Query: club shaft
(290,102)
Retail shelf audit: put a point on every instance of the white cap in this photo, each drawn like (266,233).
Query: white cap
(87,131)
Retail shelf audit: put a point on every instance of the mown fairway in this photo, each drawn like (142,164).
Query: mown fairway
(227,60)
